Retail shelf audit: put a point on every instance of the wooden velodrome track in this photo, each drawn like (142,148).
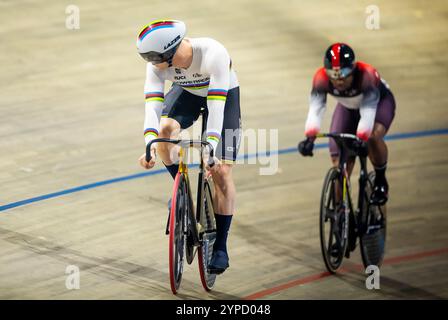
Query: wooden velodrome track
(71,107)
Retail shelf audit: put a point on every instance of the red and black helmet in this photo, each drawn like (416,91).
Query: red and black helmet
(339,61)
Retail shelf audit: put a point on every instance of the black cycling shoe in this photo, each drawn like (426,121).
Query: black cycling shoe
(219,262)
(379,194)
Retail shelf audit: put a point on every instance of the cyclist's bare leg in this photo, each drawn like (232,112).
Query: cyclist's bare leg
(378,156)
(225,205)
(224,190)
(170,129)
(377,147)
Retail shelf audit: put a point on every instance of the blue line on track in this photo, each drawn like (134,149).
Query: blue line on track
(396,136)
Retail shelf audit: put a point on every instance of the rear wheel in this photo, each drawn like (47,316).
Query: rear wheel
(373,231)
(207,234)
(177,231)
(333,221)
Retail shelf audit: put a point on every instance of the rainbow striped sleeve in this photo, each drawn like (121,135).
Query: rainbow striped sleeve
(151,132)
(213,137)
(154,96)
(217,94)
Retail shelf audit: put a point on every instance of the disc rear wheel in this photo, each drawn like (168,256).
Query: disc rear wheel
(373,229)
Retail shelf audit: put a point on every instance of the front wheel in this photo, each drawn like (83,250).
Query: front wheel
(207,236)
(177,231)
(333,221)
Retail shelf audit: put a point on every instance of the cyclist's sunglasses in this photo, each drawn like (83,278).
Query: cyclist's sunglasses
(339,73)
(157,57)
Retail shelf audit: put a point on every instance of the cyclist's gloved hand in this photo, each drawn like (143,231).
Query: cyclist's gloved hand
(306,147)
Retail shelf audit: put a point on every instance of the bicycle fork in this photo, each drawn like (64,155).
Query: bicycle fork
(189,228)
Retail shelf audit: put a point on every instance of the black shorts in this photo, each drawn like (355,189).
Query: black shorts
(185,108)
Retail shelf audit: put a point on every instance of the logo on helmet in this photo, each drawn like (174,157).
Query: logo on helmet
(171,43)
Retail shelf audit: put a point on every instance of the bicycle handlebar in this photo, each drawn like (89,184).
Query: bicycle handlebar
(339,136)
(341,139)
(184,144)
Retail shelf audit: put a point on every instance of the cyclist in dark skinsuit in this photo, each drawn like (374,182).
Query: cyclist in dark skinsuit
(366,106)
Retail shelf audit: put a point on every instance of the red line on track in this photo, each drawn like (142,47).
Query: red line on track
(322,275)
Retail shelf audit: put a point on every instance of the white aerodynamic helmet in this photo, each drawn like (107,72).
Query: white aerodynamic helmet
(158,41)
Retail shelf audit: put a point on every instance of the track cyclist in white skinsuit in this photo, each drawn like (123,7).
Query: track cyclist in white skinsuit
(202,76)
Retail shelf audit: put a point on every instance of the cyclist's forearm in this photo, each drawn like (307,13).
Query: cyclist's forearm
(153,111)
(367,111)
(315,114)
(366,123)
(215,119)
(154,99)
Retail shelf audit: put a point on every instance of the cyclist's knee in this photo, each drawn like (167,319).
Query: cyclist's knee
(169,128)
(164,149)
(223,178)
(225,170)
(224,173)
(375,141)
(378,133)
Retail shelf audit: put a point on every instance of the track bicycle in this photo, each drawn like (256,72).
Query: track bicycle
(190,230)
(341,225)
